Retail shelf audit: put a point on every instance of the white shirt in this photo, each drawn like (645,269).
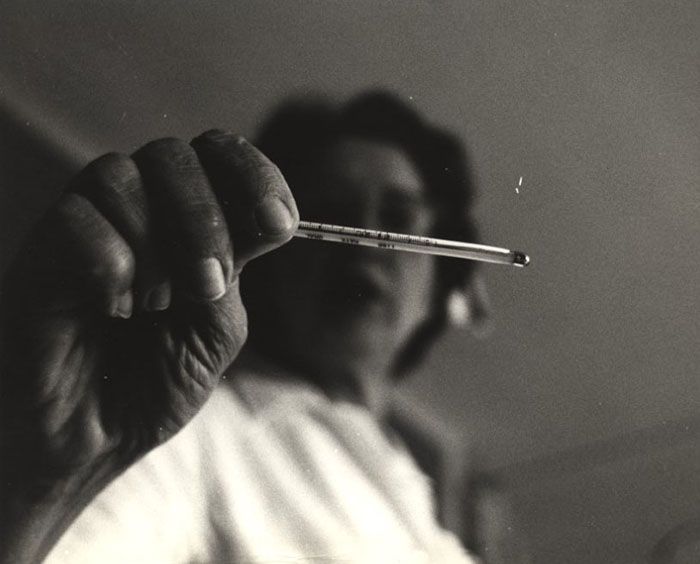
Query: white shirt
(269,471)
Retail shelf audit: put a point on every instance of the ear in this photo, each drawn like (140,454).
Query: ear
(470,306)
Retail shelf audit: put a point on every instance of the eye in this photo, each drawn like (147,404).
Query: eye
(317,202)
(404,214)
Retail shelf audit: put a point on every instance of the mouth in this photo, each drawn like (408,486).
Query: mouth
(360,287)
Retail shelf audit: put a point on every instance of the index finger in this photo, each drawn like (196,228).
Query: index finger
(256,199)
(191,226)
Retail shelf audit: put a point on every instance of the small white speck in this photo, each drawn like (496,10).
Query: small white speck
(520,183)
(165,115)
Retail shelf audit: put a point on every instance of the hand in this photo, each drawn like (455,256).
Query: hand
(123,310)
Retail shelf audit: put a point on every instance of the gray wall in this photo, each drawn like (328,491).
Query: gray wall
(585,397)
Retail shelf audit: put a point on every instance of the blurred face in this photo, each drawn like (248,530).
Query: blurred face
(338,309)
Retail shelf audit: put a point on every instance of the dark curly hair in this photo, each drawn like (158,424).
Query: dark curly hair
(298,133)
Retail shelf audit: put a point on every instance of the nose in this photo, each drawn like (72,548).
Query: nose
(360,211)
(351,212)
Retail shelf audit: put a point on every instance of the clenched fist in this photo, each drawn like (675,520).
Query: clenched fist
(122,311)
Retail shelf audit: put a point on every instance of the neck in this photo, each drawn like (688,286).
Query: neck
(368,383)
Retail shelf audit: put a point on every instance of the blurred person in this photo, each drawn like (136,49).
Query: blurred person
(491,527)
(136,426)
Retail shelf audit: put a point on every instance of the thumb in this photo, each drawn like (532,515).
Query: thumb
(255,197)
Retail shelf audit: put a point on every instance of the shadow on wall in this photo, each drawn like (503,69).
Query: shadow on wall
(33,173)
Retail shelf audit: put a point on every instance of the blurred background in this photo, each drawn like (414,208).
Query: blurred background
(584,401)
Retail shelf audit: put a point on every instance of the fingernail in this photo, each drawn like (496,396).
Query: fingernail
(273,216)
(209,280)
(123,305)
(159,297)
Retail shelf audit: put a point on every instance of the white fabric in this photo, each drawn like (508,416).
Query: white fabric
(269,471)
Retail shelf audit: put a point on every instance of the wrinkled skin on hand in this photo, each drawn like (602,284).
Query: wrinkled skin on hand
(122,310)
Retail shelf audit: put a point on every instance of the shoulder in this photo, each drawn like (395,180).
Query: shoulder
(441,452)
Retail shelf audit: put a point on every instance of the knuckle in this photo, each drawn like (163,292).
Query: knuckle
(204,231)
(170,148)
(207,216)
(116,164)
(114,172)
(245,155)
(270,170)
(115,264)
(216,136)
(269,180)
(239,140)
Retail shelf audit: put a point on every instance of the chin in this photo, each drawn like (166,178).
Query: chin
(358,344)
